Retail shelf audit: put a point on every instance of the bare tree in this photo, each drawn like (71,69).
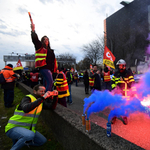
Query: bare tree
(63,58)
(94,50)
(84,64)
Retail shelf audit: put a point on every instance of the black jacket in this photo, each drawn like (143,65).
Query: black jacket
(86,79)
(97,81)
(27,106)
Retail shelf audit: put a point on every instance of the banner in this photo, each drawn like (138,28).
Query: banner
(108,58)
(18,66)
(91,67)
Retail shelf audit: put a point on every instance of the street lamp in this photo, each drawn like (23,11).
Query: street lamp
(111,43)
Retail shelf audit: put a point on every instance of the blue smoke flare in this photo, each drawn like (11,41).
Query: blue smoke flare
(100,100)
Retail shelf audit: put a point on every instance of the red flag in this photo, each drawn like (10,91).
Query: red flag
(18,66)
(91,67)
(108,58)
(72,70)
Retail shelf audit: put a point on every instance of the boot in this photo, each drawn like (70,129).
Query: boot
(125,120)
(113,120)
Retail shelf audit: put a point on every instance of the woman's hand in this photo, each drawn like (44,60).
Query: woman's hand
(32,27)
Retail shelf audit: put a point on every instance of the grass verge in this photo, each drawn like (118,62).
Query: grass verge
(6,113)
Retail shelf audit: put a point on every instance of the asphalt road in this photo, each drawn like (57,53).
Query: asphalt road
(137,131)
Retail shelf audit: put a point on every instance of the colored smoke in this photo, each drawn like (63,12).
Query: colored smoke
(100,100)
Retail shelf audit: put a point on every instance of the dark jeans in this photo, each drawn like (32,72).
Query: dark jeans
(86,89)
(8,97)
(62,101)
(20,136)
(108,85)
(69,98)
(47,79)
(76,82)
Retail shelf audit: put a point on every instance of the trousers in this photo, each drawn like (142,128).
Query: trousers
(22,136)
(8,97)
(47,79)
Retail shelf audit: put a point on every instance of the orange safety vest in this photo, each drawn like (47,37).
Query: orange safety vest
(62,86)
(8,74)
(107,76)
(40,57)
(91,80)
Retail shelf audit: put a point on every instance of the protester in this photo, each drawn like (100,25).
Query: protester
(107,79)
(62,87)
(86,82)
(91,78)
(21,126)
(95,79)
(9,85)
(44,58)
(34,77)
(122,83)
(69,81)
(76,78)
(24,78)
(97,82)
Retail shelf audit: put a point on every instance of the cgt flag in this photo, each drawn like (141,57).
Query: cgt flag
(72,70)
(108,58)
(18,66)
(91,67)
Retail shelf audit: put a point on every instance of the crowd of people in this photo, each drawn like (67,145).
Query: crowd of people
(94,79)
(52,84)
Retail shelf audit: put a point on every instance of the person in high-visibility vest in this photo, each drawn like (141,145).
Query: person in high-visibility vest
(62,87)
(69,81)
(44,58)
(123,82)
(9,85)
(21,126)
(91,79)
(76,78)
(95,79)
(107,79)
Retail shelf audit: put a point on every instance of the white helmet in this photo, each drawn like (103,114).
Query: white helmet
(121,61)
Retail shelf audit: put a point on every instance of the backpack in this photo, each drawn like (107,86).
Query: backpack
(2,79)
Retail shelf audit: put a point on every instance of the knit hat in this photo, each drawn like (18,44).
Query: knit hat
(10,65)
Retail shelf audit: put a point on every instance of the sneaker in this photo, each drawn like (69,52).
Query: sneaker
(113,120)
(70,103)
(125,120)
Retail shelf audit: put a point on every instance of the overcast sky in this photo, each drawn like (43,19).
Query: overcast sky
(69,24)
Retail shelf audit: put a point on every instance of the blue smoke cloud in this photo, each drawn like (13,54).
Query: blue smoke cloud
(100,100)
